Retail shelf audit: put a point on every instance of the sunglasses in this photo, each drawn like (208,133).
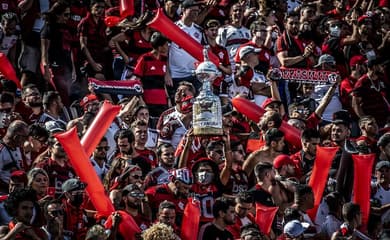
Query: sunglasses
(136,195)
(57,212)
(136,176)
(102,148)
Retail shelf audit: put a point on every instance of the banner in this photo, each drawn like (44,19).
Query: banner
(264,217)
(127,87)
(99,126)
(319,175)
(308,75)
(362,166)
(191,217)
(252,111)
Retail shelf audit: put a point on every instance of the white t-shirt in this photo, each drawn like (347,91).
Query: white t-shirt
(100,171)
(232,37)
(181,63)
(333,106)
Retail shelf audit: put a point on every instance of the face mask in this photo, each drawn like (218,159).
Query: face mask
(335,31)
(78,200)
(205,177)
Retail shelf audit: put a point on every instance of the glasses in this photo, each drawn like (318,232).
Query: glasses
(102,148)
(57,212)
(136,176)
(136,195)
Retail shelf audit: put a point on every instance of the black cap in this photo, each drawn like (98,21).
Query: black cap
(189,3)
(73,184)
(342,117)
(129,188)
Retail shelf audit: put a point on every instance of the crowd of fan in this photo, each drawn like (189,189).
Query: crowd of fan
(150,162)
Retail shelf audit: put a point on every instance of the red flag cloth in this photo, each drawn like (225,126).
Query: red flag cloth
(264,217)
(99,126)
(254,113)
(84,169)
(164,25)
(362,166)
(128,228)
(319,175)
(190,223)
(8,70)
(126,8)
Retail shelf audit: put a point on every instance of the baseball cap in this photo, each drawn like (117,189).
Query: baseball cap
(295,228)
(189,3)
(183,175)
(382,164)
(364,18)
(246,50)
(341,117)
(54,127)
(73,184)
(357,59)
(87,99)
(325,58)
(282,160)
(19,176)
(211,23)
(129,188)
(268,101)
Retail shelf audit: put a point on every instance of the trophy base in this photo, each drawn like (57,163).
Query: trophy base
(208,131)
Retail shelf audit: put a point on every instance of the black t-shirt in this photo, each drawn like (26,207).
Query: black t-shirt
(210,232)
(59,48)
(261,196)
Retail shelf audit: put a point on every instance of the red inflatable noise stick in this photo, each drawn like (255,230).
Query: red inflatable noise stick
(128,228)
(71,143)
(8,70)
(126,8)
(254,113)
(112,21)
(164,25)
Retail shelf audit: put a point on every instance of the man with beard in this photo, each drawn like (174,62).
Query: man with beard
(175,191)
(166,160)
(20,205)
(125,141)
(140,130)
(99,158)
(167,215)
(56,165)
(53,107)
(133,197)
(75,219)
(304,158)
(224,215)
(376,100)
(174,122)
(274,145)
(33,99)
(10,152)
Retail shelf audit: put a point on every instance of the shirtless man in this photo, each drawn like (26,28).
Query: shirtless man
(274,144)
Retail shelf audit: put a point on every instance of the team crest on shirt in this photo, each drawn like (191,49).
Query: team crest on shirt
(181,205)
(220,55)
(164,68)
(152,68)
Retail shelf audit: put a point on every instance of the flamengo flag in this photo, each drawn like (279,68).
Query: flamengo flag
(319,176)
(264,217)
(362,168)
(127,87)
(191,217)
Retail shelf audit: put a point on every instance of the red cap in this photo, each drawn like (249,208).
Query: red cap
(357,59)
(19,175)
(87,99)
(363,18)
(268,101)
(282,160)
